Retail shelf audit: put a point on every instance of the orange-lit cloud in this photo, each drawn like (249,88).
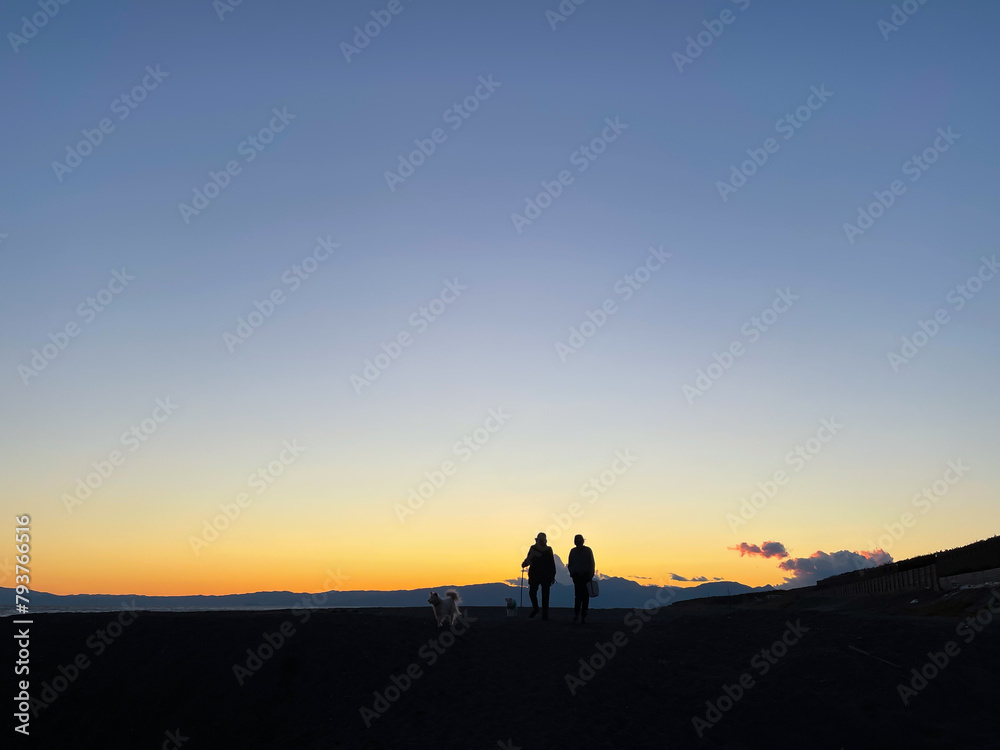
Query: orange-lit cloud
(807,570)
(767,549)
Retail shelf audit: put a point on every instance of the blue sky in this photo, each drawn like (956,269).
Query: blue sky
(655,185)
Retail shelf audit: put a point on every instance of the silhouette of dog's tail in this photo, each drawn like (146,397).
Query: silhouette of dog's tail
(452,594)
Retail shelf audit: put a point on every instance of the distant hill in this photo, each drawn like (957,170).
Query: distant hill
(615,593)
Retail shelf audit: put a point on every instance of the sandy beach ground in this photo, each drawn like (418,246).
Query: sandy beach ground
(712,673)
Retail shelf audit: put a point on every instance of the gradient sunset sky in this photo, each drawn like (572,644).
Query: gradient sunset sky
(869,99)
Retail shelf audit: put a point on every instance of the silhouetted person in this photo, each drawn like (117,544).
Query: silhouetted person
(541,564)
(581,569)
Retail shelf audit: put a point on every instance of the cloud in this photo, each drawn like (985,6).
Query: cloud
(698,579)
(774,549)
(805,571)
(716,578)
(675,577)
(767,549)
(877,556)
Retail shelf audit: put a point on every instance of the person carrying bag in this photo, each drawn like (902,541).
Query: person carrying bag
(582,569)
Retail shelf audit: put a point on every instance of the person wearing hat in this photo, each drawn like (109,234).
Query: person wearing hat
(541,565)
(581,567)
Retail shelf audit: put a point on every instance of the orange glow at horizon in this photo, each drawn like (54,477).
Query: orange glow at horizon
(290,540)
(244,571)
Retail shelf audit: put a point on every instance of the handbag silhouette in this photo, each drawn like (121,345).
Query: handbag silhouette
(593,587)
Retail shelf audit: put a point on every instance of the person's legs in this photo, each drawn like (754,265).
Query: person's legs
(533,595)
(545,601)
(585,604)
(578,589)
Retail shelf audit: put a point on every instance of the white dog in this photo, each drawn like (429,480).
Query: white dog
(445,608)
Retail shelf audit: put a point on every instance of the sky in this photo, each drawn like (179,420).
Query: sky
(293,305)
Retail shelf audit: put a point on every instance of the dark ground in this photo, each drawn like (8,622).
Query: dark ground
(505,679)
